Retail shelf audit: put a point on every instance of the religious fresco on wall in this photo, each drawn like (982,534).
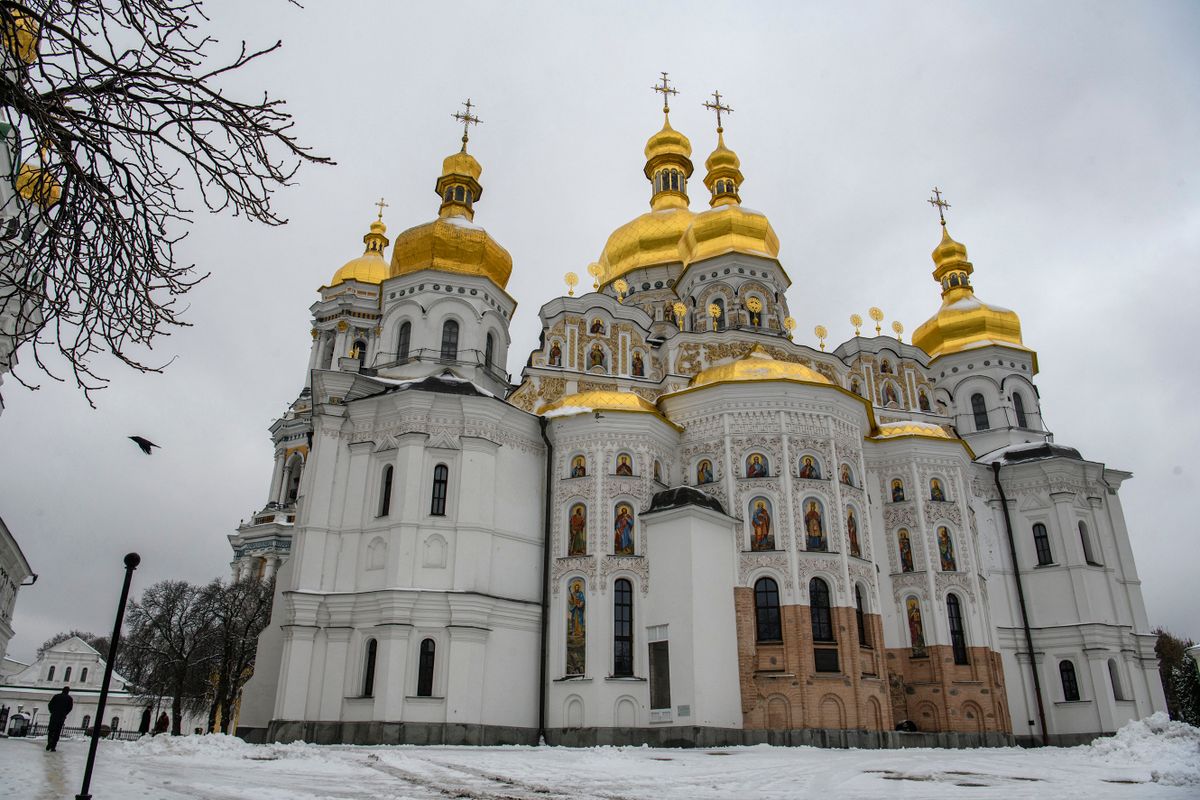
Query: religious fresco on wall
(856,387)
(555,355)
(639,366)
(623,530)
(657,472)
(810,468)
(923,399)
(761,537)
(886,367)
(757,466)
(597,327)
(889,395)
(578,467)
(704,471)
(577,529)
(897,491)
(624,464)
(946,550)
(852,532)
(916,629)
(814,526)
(845,475)
(576,627)
(906,555)
(935,491)
(596,357)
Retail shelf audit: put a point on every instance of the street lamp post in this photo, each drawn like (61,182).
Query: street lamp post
(131,563)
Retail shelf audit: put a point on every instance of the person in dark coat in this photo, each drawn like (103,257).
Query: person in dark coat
(162,724)
(60,706)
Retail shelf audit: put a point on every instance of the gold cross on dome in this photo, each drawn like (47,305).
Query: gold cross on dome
(467,119)
(941,204)
(717,107)
(666,91)
(381,206)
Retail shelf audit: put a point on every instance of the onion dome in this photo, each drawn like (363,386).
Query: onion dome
(453,242)
(599,400)
(653,238)
(727,227)
(964,321)
(758,365)
(370,267)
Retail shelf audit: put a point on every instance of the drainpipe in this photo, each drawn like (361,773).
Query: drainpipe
(1012,551)
(546,517)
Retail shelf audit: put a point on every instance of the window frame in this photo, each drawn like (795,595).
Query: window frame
(426,663)
(385,490)
(370,656)
(1041,545)
(622,628)
(768,617)
(958,629)
(404,340)
(864,639)
(441,489)
(821,611)
(450,340)
(1069,679)
(979,412)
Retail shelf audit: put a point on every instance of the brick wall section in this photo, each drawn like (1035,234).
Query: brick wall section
(875,687)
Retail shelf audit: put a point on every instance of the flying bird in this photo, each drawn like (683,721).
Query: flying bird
(143,443)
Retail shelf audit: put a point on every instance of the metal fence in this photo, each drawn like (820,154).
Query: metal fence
(84,733)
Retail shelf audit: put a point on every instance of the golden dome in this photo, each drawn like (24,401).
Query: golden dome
(461,163)
(758,365)
(964,321)
(451,244)
(653,238)
(667,141)
(722,157)
(599,400)
(728,229)
(890,430)
(370,267)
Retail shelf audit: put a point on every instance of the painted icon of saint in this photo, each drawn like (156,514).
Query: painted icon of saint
(704,471)
(916,629)
(657,471)
(897,491)
(906,555)
(577,541)
(624,464)
(639,367)
(889,395)
(578,467)
(555,355)
(886,367)
(576,628)
(623,530)
(809,468)
(596,357)
(760,521)
(946,550)
(756,467)
(923,399)
(597,326)
(844,476)
(814,527)
(935,491)
(856,388)
(852,532)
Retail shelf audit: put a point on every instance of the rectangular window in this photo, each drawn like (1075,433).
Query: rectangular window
(622,628)
(1041,541)
(441,478)
(660,675)
(825,659)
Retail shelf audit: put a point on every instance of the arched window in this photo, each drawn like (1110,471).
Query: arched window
(441,479)
(1066,671)
(1019,407)
(294,469)
(385,492)
(1114,677)
(50,675)
(87,721)
(425,668)
(459,193)
(822,620)
(115,723)
(489,350)
(67,676)
(622,628)
(674,179)
(1086,541)
(369,668)
(83,677)
(1041,541)
(766,611)
(860,614)
(719,322)
(403,341)
(360,351)
(958,636)
(979,410)
(449,340)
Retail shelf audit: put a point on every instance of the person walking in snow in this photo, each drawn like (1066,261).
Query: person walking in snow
(162,724)
(60,706)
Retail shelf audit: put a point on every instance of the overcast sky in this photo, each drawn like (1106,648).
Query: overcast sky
(1066,136)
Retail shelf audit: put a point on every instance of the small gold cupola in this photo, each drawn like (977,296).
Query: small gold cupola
(370,267)
(964,321)
(458,185)
(724,176)
(668,159)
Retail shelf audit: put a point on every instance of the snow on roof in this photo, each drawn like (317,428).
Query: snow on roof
(462,222)
(566,411)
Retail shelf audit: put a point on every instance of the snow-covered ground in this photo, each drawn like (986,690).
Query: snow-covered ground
(1152,758)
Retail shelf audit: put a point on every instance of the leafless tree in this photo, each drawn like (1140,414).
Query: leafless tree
(115,110)
(99,642)
(240,611)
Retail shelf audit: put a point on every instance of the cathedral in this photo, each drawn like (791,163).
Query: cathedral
(678,526)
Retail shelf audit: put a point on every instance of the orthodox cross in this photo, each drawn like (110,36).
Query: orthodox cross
(717,107)
(666,91)
(467,119)
(381,206)
(941,204)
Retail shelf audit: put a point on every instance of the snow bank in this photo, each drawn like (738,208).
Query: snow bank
(1169,749)
(218,746)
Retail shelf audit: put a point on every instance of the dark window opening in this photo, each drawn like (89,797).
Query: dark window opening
(1041,541)
(623,628)
(450,340)
(766,611)
(441,479)
(404,341)
(385,492)
(369,669)
(958,637)
(862,623)
(979,410)
(425,669)
(822,618)
(660,675)
(1019,407)
(1070,686)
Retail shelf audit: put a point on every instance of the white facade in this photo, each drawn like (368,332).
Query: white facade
(14,571)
